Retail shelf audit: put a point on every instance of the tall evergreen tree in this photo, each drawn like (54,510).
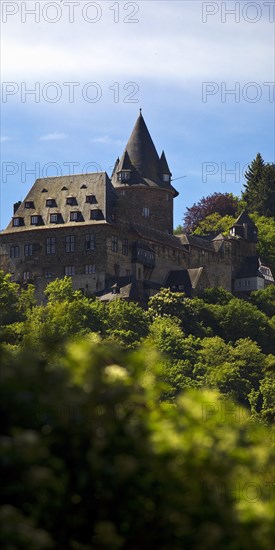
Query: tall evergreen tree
(253,194)
(269,190)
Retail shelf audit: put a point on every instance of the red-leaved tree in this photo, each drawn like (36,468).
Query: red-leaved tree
(222,203)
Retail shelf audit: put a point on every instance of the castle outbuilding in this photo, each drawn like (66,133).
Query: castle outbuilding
(114,236)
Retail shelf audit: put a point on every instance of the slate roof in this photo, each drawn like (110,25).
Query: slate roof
(197,241)
(188,278)
(126,289)
(244,218)
(250,268)
(60,188)
(164,168)
(158,236)
(141,157)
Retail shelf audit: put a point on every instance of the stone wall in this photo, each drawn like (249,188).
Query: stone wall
(132,200)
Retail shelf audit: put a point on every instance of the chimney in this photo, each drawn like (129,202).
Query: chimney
(16,206)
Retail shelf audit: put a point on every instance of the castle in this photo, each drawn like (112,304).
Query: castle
(114,236)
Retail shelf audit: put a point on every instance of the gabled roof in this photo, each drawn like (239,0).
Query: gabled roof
(244,218)
(186,278)
(123,288)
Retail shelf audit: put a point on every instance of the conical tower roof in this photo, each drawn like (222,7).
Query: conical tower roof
(164,168)
(142,152)
(140,157)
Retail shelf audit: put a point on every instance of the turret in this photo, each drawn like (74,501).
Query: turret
(143,182)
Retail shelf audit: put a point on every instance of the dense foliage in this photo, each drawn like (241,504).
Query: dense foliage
(223,204)
(93,456)
(126,429)
(259,193)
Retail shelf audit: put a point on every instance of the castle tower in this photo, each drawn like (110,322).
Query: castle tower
(245,231)
(142,180)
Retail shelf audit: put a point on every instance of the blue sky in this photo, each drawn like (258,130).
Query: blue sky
(177,60)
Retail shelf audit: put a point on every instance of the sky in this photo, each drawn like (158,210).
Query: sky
(74,75)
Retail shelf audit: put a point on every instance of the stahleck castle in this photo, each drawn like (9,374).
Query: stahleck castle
(114,237)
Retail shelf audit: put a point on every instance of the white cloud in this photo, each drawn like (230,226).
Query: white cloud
(55,136)
(106,140)
(169,42)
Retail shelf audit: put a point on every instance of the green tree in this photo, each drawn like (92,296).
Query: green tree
(9,295)
(268,182)
(91,458)
(253,193)
(216,295)
(259,193)
(213,223)
(266,245)
(60,290)
(264,300)
(126,323)
(240,319)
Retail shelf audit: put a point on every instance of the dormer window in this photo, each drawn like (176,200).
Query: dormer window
(166,178)
(54,218)
(35,220)
(94,214)
(91,199)
(50,203)
(74,216)
(17,221)
(71,200)
(124,175)
(29,204)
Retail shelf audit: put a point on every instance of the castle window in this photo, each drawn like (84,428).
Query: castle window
(89,269)
(114,243)
(16,222)
(94,215)
(14,251)
(71,200)
(69,270)
(124,175)
(35,220)
(90,242)
(53,218)
(125,247)
(146,212)
(50,203)
(51,245)
(74,216)
(28,249)
(166,178)
(70,243)
(91,199)
(29,204)
(26,275)
(48,274)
